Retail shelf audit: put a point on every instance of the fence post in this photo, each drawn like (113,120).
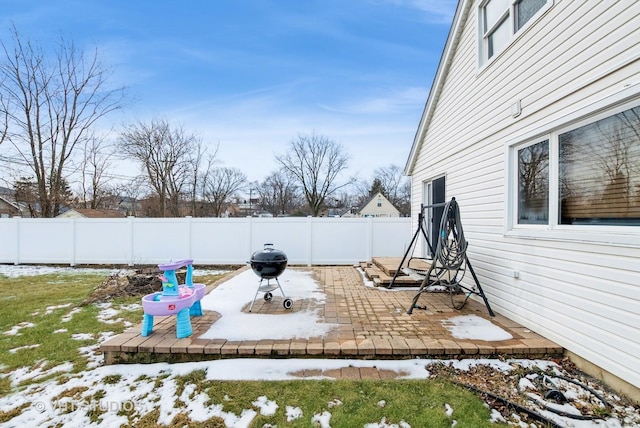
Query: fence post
(309,240)
(17,258)
(131,231)
(73,242)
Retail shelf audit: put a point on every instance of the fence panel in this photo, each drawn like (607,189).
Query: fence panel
(100,240)
(209,241)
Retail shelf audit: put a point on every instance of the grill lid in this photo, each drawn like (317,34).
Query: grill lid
(268,262)
(269,254)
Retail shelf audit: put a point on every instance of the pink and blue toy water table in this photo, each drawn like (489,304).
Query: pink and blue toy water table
(181,300)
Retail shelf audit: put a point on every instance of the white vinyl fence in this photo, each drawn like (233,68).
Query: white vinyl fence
(208,241)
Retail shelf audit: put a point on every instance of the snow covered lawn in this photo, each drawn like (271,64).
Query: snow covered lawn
(179,394)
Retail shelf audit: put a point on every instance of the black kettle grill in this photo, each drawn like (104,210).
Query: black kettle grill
(269,263)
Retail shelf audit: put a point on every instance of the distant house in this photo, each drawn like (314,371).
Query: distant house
(8,208)
(7,193)
(376,206)
(533,124)
(91,213)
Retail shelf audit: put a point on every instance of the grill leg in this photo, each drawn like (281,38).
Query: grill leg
(256,296)
(281,290)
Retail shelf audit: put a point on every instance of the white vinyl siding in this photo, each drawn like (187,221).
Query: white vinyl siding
(577,287)
(379,206)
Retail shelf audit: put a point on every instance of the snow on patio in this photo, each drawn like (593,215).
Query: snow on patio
(229,298)
(474,327)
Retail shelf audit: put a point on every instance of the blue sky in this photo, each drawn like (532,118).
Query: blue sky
(253,75)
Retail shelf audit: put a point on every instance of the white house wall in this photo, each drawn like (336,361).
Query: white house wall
(385,210)
(581,292)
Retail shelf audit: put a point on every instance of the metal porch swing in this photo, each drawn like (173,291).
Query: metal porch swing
(450,262)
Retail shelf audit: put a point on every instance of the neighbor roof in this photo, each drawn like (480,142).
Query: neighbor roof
(95,213)
(16,206)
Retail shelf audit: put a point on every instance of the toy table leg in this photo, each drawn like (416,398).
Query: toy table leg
(147,325)
(196,309)
(183,324)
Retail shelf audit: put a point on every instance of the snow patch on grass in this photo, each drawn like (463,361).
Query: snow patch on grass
(70,314)
(22,348)
(267,407)
(14,331)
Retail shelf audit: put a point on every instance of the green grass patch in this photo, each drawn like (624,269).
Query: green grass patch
(43,321)
(420,403)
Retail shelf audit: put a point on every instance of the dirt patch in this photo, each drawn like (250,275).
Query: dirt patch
(561,389)
(137,283)
(350,372)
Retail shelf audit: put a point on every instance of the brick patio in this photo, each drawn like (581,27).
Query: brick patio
(372,324)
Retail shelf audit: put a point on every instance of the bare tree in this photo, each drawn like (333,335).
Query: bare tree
(50,104)
(130,194)
(4,127)
(167,155)
(203,163)
(346,199)
(96,161)
(279,194)
(316,163)
(222,183)
(26,192)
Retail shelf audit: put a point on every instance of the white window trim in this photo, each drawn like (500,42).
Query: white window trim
(627,236)
(483,47)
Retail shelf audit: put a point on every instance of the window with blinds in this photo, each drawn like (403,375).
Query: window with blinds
(599,172)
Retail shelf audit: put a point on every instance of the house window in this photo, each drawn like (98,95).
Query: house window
(496,25)
(587,175)
(525,10)
(500,20)
(599,171)
(533,184)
